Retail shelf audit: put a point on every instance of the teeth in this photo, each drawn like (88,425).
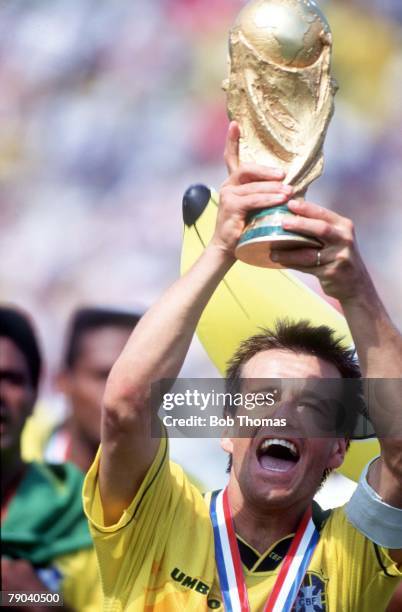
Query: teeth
(267,443)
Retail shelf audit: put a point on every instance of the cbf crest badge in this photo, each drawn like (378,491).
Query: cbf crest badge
(312,595)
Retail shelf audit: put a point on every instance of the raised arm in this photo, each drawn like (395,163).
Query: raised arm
(344,276)
(160,341)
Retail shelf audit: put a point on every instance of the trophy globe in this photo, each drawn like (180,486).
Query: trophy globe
(281,92)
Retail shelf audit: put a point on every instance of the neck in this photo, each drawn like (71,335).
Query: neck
(82,451)
(261,526)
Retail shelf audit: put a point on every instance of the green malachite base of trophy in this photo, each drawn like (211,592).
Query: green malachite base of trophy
(264,233)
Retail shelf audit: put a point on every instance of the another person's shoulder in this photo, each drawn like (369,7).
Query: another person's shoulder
(64,480)
(48,502)
(37,431)
(49,490)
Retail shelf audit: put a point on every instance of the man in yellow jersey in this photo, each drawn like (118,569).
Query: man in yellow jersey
(161,546)
(46,545)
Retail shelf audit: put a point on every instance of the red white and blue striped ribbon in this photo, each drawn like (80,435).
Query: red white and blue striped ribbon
(231,578)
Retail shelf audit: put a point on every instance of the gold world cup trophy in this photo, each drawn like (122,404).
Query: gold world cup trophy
(281,93)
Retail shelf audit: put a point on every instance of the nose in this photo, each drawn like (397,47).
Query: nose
(287,410)
(5,391)
(284,411)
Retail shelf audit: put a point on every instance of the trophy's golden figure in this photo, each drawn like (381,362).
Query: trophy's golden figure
(281,93)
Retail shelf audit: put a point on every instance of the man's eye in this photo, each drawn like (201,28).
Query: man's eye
(308,405)
(14,378)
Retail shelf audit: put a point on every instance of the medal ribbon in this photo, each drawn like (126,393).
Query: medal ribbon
(230,571)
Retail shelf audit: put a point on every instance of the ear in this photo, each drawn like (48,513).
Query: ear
(337,455)
(227,444)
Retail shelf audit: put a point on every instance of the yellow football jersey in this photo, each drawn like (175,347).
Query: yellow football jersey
(36,433)
(159,557)
(80,585)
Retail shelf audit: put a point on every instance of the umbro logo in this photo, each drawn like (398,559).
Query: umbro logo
(196,585)
(189,582)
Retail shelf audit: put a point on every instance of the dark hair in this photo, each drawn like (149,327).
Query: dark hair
(17,326)
(85,320)
(300,337)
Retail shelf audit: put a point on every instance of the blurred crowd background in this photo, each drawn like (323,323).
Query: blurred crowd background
(110,110)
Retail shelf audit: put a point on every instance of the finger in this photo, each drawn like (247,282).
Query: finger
(264,187)
(301,259)
(231,154)
(249,173)
(259,201)
(317,228)
(314,211)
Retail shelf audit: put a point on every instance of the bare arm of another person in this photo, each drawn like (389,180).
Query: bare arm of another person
(159,343)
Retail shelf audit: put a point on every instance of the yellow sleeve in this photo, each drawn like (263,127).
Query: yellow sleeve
(92,500)
(36,433)
(383,581)
(130,547)
(365,573)
(166,524)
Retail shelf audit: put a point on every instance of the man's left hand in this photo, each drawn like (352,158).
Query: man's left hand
(338,264)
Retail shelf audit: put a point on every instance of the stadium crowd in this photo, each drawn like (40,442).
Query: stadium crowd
(108,111)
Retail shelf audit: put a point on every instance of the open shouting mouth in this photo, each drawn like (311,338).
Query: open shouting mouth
(278,455)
